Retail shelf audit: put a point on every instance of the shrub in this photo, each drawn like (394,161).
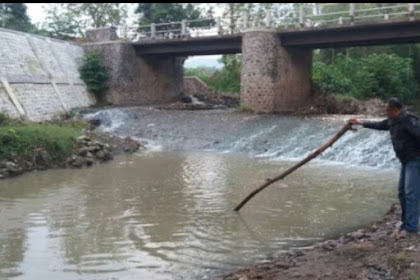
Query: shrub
(95,74)
(377,75)
(4,119)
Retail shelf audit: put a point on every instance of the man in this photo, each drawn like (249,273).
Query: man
(404,128)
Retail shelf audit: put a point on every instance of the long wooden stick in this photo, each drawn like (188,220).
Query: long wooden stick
(313,155)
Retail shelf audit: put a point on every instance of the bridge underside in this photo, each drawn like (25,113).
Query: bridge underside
(338,37)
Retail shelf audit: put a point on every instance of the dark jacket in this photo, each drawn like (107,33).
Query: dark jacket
(405,135)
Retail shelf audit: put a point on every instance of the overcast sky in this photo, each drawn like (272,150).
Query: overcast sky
(36,14)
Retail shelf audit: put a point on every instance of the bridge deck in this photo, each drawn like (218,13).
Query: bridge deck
(346,36)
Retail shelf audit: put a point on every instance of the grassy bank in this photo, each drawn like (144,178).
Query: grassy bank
(25,141)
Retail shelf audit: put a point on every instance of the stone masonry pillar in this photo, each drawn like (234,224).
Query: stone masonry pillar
(134,79)
(274,79)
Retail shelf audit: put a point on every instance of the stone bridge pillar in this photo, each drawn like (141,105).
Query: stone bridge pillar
(134,79)
(274,79)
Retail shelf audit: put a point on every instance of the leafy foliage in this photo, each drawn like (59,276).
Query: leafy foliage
(14,16)
(376,75)
(67,20)
(173,12)
(95,74)
(228,79)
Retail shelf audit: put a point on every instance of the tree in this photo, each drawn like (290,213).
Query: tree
(173,12)
(14,16)
(61,23)
(72,19)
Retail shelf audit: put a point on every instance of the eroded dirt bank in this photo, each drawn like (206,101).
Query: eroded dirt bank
(370,254)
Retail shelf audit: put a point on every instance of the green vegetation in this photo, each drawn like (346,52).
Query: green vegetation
(95,74)
(356,73)
(375,75)
(173,12)
(227,79)
(24,140)
(14,16)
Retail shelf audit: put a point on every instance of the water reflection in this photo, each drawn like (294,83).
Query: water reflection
(168,215)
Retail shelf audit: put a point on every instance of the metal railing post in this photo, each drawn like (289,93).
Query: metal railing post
(183,27)
(301,16)
(245,20)
(411,11)
(219,26)
(268,18)
(153,30)
(351,12)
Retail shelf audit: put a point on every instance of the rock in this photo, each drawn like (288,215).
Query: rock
(357,235)
(100,155)
(94,148)
(78,162)
(89,161)
(129,145)
(108,156)
(95,122)
(16,171)
(329,245)
(10,165)
(83,138)
(89,155)
(99,144)
(186,99)
(83,151)
(9,168)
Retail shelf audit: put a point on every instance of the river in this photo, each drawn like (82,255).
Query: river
(166,213)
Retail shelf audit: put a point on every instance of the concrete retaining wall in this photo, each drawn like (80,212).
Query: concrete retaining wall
(38,76)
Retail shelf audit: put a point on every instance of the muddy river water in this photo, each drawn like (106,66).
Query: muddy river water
(167,213)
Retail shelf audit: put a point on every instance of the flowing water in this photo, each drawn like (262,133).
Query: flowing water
(167,213)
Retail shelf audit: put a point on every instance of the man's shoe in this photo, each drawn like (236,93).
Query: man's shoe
(401,234)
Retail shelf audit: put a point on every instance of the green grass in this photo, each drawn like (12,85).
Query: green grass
(416,278)
(21,140)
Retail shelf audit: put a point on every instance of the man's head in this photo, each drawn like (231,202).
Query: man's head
(394,108)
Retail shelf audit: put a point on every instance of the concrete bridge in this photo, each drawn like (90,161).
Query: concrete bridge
(276,74)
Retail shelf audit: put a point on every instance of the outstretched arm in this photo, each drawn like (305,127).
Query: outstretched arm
(380,125)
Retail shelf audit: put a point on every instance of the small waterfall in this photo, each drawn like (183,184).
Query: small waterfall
(266,136)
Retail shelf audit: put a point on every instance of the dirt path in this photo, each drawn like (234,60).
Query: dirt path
(368,254)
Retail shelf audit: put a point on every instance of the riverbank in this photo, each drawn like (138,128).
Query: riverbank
(369,253)
(27,146)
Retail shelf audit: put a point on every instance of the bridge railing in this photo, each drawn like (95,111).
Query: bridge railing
(285,16)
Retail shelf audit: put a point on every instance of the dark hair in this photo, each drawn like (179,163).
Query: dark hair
(395,103)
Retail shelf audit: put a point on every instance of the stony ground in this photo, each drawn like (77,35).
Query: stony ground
(367,254)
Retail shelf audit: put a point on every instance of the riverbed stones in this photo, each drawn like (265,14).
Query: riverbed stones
(129,145)
(92,151)
(78,161)
(83,151)
(10,168)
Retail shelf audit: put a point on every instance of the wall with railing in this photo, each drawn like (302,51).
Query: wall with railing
(284,16)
